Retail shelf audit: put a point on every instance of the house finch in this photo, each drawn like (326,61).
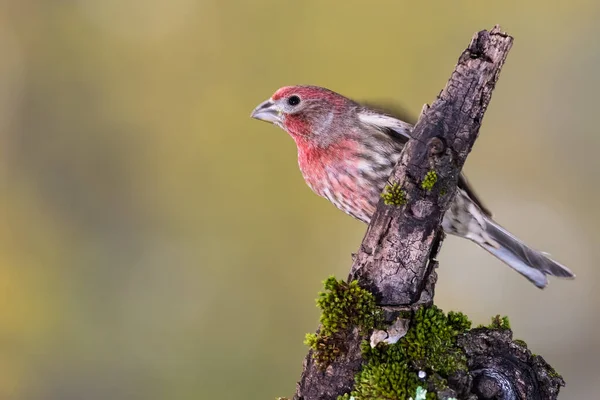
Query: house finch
(347,151)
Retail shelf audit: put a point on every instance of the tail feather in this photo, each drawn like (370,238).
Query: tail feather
(533,264)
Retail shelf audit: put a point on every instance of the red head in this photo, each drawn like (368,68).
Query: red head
(310,114)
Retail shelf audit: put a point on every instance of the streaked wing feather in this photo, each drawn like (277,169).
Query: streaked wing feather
(464,184)
(387,113)
(393,110)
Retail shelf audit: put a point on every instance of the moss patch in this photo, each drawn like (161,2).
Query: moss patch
(418,366)
(393,195)
(499,322)
(391,372)
(520,342)
(344,306)
(429,181)
(553,373)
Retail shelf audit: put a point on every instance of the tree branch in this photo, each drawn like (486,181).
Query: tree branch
(396,260)
(394,255)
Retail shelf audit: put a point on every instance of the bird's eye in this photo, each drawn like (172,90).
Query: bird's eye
(294,100)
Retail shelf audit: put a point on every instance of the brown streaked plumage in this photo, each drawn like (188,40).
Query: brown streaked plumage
(347,151)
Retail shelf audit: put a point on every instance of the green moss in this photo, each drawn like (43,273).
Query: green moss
(343,307)
(391,371)
(326,347)
(393,195)
(429,181)
(499,322)
(553,373)
(520,342)
(431,341)
(459,321)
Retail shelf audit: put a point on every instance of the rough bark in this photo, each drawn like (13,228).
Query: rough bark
(336,379)
(392,261)
(396,260)
(501,368)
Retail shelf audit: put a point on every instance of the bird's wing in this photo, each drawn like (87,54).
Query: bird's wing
(391,126)
(464,184)
(390,109)
(388,119)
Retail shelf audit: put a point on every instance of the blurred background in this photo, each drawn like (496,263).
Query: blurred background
(157,243)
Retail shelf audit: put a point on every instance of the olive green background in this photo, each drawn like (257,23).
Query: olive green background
(157,243)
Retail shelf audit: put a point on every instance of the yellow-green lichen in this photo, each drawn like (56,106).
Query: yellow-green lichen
(393,195)
(392,371)
(343,307)
(429,180)
(421,393)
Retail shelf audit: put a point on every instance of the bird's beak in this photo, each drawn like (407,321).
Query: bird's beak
(267,111)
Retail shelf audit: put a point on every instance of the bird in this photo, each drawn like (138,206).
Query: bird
(347,151)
